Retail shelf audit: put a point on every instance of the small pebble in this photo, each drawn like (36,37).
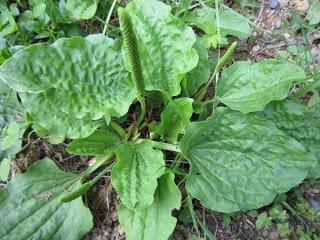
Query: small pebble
(256,48)
(265,233)
(315,204)
(284,3)
(274,235)
(315,190)
(277,22)
(286,35)
(274,4)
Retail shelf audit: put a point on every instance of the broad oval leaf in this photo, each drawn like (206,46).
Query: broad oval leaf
(101,142)
(69,11)
(230,22)
(32,210)
(87,75)
(50,121)
(175,119)
(135,174)
(80,78)
(314,13)
(156,221)
(81,9)
(11,114)
(165,45)
(241,162)
(249,87)
(234,24)
(5,168)
(203,18)
(300,122)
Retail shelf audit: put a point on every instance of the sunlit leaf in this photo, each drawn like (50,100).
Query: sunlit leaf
(135,174)
(175,119)
(165,45)
(249,87)
(156,221)
(241,161)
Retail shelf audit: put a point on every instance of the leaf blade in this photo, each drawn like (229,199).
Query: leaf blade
(99,143)
(298,122)
(154,222)
(240,162)
(175,119)
(135,174)
(11,113)
(164,61)
(34,198)
(249,87)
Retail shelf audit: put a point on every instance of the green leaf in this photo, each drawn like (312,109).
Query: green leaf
(80,78)
(214,40)
(5,168)
(300,122)
(205,19)
(100,143)
(314,13)
(68,11)
(54,12)
(241,161)
(8,24)
(91,65)
(154,222)
(249,87)
(135,174)
(11,114)
(81,9)
(50,121)
(175,119)
(234,24)
(32,208)
(38,10)
(165,45)
(200,74)
(11,136)
(230,22)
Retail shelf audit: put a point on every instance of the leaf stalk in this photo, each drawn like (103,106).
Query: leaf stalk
(165,146)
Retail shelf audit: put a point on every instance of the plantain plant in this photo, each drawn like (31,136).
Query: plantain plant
(244,145)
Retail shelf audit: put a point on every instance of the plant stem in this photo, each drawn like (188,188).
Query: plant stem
(306,89)
(119,130)
(101,174)
(108,17)
(166,146)
(143,112)
(176,162)
(84,187)
(99,161)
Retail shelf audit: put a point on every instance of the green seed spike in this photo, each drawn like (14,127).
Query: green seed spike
(222,61)
(77,193)
(225,58)
(131,51)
